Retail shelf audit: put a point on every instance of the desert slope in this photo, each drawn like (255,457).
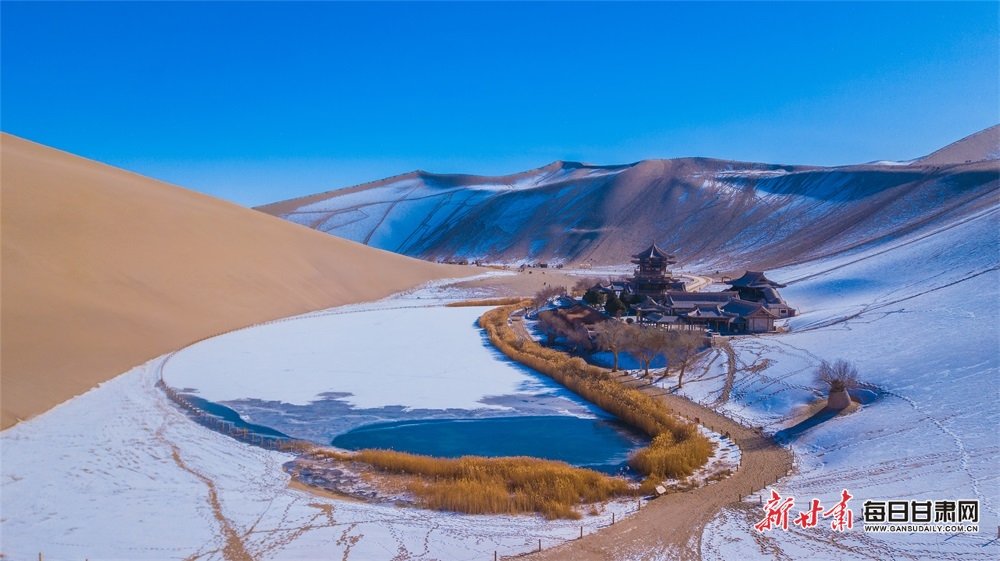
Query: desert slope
(983,145)
(712,213)
(104,269)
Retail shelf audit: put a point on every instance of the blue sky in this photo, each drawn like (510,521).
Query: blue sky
(256,102)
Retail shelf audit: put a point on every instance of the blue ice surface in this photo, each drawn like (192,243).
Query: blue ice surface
(601,444)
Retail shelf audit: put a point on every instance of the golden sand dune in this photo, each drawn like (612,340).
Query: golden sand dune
(104,269)
(983,145)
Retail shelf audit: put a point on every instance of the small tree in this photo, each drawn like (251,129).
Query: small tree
(614,306)
(682,352)
(552,325)
(595,298)
(547,293)
(578,340)
(612,336)
(839,377)
(645,344)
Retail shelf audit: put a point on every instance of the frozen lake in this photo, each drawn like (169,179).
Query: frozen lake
(401,375)
(600,444)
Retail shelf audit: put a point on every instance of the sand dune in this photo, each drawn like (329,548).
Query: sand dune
(983,145)
(104,269)
(714,214)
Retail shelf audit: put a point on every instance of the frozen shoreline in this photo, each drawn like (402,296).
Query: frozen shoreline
(116,444)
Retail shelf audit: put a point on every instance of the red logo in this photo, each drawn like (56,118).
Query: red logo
(777,508)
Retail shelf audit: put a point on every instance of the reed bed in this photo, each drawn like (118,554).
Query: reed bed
(677,448)
(479,485)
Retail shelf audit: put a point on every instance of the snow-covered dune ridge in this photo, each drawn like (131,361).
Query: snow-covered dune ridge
(711,213)
(918,318)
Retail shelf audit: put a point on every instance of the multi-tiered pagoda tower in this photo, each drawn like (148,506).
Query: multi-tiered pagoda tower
(651,277)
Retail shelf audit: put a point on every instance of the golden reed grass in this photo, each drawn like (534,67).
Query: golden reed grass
(677,448)
(479,485)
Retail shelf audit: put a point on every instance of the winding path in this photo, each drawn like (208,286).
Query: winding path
(674,523)
(671,526)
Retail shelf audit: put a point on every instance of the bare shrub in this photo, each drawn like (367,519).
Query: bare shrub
(553,326)
(839,375)
(484,302)
(583,285)
(579,340)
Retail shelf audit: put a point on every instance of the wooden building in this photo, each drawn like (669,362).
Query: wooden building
(752,306)
(719,311)
(754,286)
(651,276)
(751,317)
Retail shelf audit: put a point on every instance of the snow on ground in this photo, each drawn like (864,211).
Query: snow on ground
(891,162)
(918,318)
(381,357)
(410,213)
(120,474)
(319,375)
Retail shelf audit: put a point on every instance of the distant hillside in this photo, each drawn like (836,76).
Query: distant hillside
(983,145)
(711,213)
(104,269)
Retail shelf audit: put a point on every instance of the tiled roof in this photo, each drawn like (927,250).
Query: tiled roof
(754,279)
(653,252)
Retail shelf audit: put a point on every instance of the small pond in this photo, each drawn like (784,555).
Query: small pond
(597,443)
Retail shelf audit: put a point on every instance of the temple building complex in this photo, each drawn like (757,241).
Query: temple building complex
(751,305)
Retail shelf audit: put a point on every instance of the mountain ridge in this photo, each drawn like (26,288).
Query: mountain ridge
(712,213)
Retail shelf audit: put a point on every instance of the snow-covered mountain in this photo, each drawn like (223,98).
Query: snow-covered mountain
(711,213)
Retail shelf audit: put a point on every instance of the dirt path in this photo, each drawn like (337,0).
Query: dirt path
(233,550)
(233,547)
(674,523)
(727,388)
(697,281)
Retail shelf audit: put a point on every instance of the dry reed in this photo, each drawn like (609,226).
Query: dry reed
(677,448)
(478,485)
